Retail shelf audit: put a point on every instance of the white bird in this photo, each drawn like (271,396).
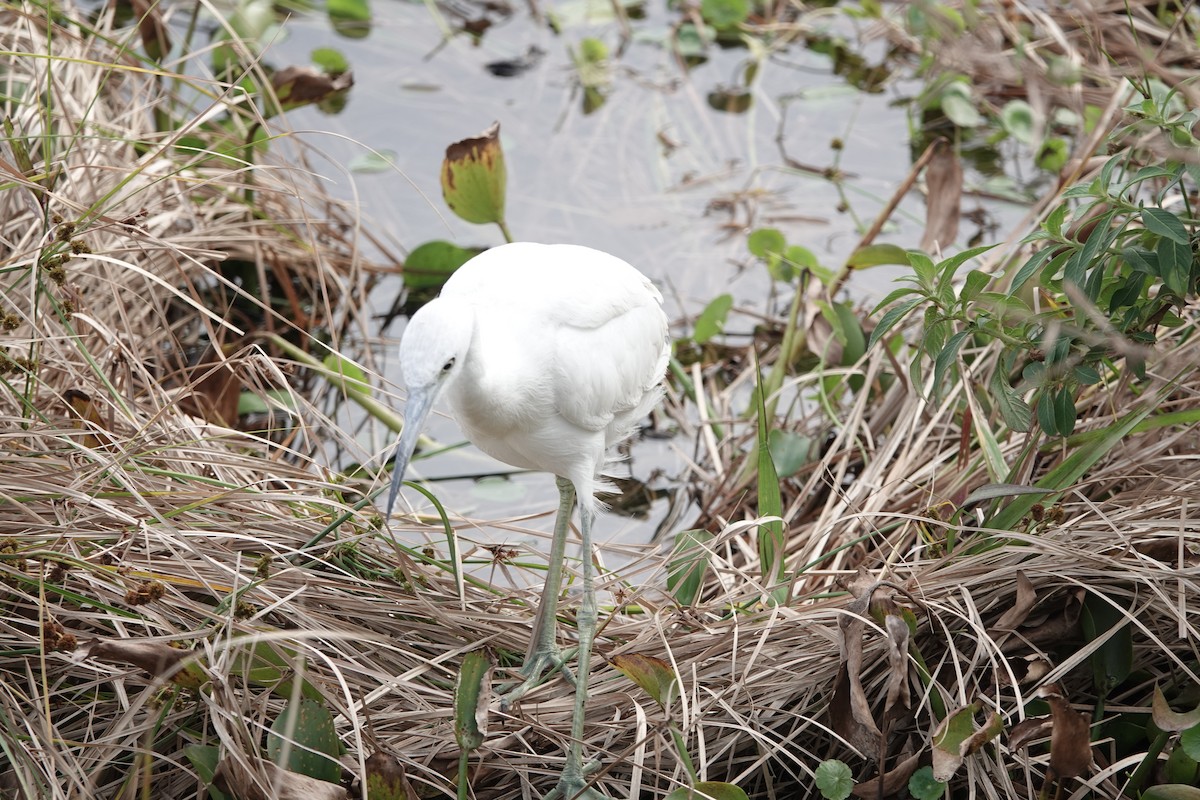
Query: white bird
(548,356)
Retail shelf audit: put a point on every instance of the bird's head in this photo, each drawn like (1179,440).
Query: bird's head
(432,353)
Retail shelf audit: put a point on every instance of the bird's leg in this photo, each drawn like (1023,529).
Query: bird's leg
(572,783)
(543,653)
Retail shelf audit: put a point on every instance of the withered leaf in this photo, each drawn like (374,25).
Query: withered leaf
(898,698)
(1172,721)
(1028,730)
(158,659)
(386,779)
(151,28)
(1070,740)
(301,85)
(944,181)
(1011,619)
(891,782)
(956,737)
(849,711)
(262,780)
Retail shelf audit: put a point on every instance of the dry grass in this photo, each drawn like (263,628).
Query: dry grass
(125,517)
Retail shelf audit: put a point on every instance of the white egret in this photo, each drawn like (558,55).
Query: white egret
(548,356)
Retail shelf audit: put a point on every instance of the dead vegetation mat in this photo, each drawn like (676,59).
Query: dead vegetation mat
(165,577)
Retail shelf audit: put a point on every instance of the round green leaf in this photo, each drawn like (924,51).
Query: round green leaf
(430,264)
(1018,119)
(834,779)
(958,105)
(923,786)
(304,733)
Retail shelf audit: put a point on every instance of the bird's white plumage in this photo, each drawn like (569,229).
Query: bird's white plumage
(548,356)
(559,352)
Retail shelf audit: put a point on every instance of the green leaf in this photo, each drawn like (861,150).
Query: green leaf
(1064,411)
(834,779)
(345,374)
(708,790)
(303,739)
(711,321)
(1112,661)
(946,359)
(959,107)
(1017,117)
(1175,264)
(923,786)
(688,565)
(891,318)
(875,255)
(204,759)
(471,693)
(330,61)
(474,178)
(766,242)
(1171,791)
(1052,156)
(368,163)
(975,283)
(429,265)
(790,451)
(1165,224)
(1030,268)
(1189,740)
(654,675)
(991,491)
(723,14)
(1045,413)
(771,542)
(1012,407)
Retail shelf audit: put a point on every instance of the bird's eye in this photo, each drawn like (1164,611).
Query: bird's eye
(448,365)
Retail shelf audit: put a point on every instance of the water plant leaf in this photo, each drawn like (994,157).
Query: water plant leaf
(350,18)
(471,693)
(375,161)
(1172,721)
(654,675)
(330,60)
(959,106)
(429,265)
(474,178)
(956,737)
(1018,119)
(723,14)
(688,565)
(303,740)
(297,86)
(711,321)
(708,790)
(834,779)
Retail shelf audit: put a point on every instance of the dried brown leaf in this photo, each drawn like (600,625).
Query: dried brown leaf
(943,181)
(891,782)
(158,659)
(299,85)
(262,780)
(1026,598)
(1028,730)
(898,697)
(1172,721)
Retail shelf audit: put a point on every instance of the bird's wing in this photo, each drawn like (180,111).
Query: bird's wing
(610,358)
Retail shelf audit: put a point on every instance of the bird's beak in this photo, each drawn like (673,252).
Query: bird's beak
(420,401)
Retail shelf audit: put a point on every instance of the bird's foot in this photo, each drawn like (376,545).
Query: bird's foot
(536,669)
(573,784)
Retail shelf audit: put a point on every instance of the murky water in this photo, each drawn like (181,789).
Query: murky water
(655,175)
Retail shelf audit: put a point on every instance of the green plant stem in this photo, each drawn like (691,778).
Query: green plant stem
(504,230)
(1148,763)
